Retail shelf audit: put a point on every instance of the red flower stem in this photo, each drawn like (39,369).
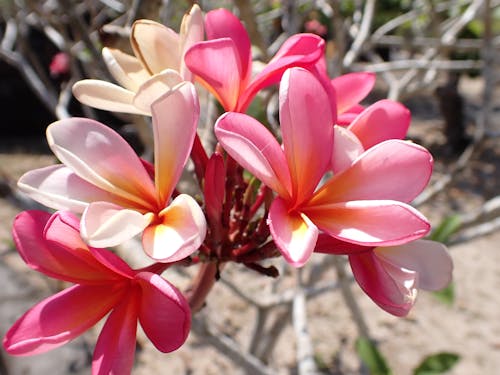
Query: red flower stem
(199,157)
(202,285)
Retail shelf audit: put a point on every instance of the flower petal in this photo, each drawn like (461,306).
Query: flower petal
(217,65)
(300,50)
(126,69)
(221,23)
(164,313)
(294,234)
(346,149)
(181,231)
(393,169)
(100,156)
(191,32)
(370,223)
(105,95)
(429,259)
(106,224)
(352,88)
(155,87)
(307,129)
(58,187)
(255,149)
(156,46)
(115,348)
(175,119)
(60,318)
(381,121)
(52,245)
(393,289)
(327,244)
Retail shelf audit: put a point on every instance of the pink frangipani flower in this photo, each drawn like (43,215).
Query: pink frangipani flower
(391,276)
(363,204)
(103,284)
(223,63)
(158,65)
(103,178)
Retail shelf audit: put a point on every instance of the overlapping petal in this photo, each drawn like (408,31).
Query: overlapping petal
(382,172)
(154,88)
(381,121)
(162,305)
(178,232)
(77,309)
(346,149)
(99,155)
(155,45)
(125,68)
(221,23)
(105,95)
(106,224)
(38,239)
(370,222)
(59,187)
(217,65)
(255,149)
(293,232)
(175,119)
(429,259)
(392,288)
(307,133)
(352,88)
(118,333)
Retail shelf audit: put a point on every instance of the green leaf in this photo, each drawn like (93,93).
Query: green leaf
(371,357)
(446,295)
(437,364)
(447,227)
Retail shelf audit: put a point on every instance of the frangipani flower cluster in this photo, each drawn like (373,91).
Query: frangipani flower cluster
(337,179)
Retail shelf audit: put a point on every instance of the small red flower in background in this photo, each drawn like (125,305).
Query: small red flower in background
(59,66)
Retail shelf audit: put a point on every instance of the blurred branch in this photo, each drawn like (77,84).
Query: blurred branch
(362,34)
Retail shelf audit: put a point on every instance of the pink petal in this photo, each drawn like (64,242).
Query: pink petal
(100,156)
(221,23)
(51,245)
(352,88)
(394,169)
(106,224)
(293,232)
(393,289)
(429,259)
(307,130)
(164,312)
(345,119)
(255,149)
(327,244)
(192,31)
(346,149)
(217,64)
(300,50)
(60,318)
(105,95)
(175,118)
(370,223)
(180,232)
(126,69)
(381,121)
(156,46)
(155,87)
(115,349)
(58,187)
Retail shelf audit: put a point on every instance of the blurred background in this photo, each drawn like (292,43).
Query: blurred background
(440,58)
